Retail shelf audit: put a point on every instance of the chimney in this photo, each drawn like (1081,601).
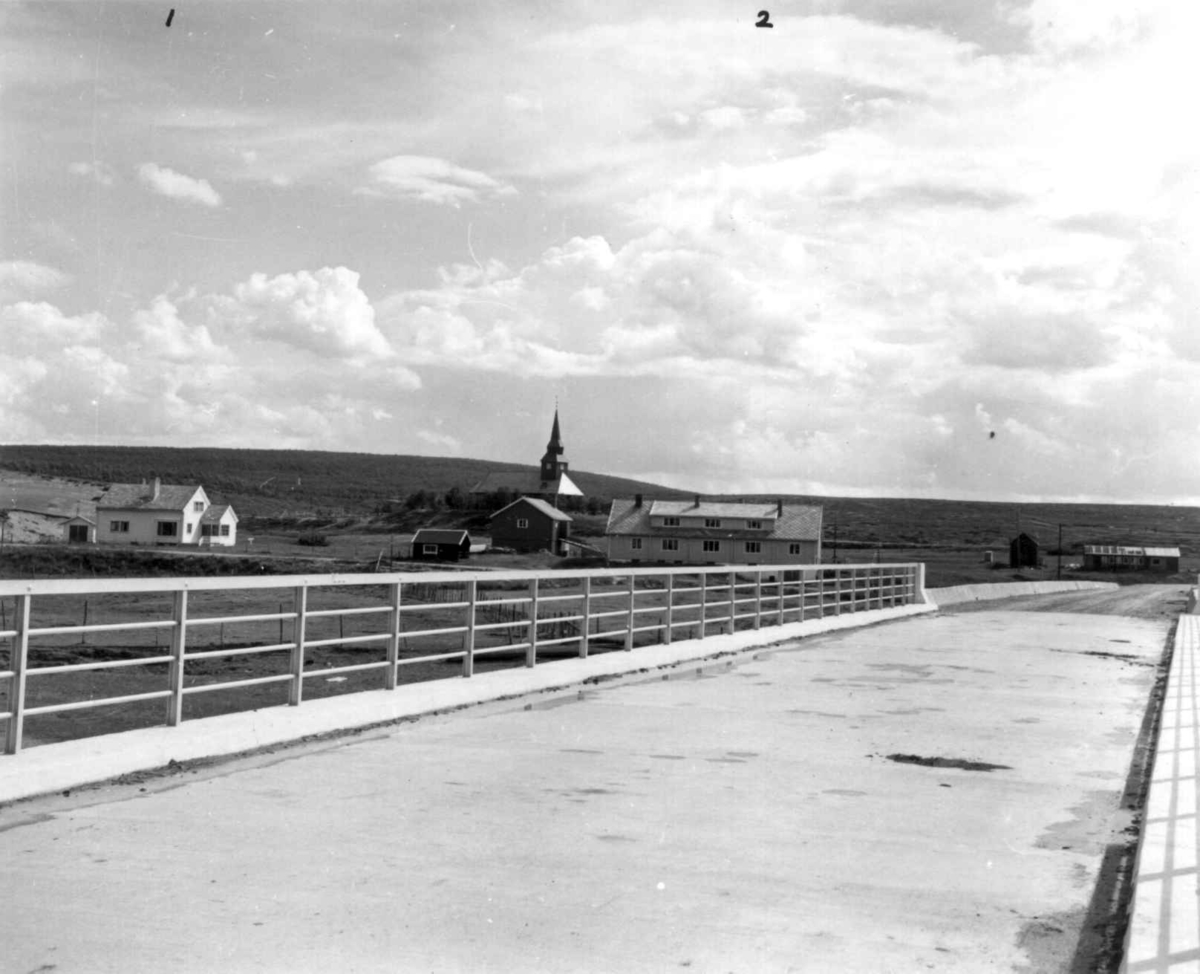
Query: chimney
(779,508)
(697,500)
(637,500)
(157,488)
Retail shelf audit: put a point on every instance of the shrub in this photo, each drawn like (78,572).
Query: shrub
(313,539)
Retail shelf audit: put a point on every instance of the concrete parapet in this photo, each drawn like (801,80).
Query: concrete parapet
(1008,590)
(55,767)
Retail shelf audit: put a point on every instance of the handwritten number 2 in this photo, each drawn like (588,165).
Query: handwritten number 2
(764,19)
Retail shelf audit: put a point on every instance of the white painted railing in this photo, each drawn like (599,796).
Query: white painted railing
(176,626)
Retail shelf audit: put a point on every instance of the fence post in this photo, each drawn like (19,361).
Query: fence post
(393,643)
(586,622)
(175,669)
(629,616)
(758,600)
(16,682)
(670,609)
(919,595)
(468,667)
(703,603)
(300,605)
(531,650)
(732,603)
(782,591)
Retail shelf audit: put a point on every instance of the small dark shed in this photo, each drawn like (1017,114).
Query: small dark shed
(530,524)
(441,544)
(1023,552)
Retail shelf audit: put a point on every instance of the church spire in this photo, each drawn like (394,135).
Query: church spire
(552,462)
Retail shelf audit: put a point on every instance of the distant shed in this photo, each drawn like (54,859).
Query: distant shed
(1024,551)
(441,544)
(1112,557)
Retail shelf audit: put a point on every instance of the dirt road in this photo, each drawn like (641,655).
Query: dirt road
(1136,601)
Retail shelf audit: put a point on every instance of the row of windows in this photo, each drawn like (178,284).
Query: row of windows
(710,522)
(170,529)
(751,547)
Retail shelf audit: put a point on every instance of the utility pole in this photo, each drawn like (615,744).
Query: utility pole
(1058,574)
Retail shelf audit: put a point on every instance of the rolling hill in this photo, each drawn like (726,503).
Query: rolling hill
(282,483)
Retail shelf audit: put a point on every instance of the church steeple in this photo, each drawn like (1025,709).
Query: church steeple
(552,464)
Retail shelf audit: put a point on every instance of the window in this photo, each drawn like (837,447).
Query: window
(712,522)
(168,529)
(712,545)
(753,547)
(197,505)
(754,525)
(794,548)
(189,530)
(670,522)
(429,549)
(522,522)
(670,544)
(635,544)
(224,530)
(206,530)
(118,527)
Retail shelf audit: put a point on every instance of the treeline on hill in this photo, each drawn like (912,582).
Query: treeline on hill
(266,482)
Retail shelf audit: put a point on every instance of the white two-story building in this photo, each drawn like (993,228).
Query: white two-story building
(714,532)
(163,514)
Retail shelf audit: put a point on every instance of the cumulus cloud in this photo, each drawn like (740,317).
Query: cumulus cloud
(23,278)
(36,326)
(325,312)
(163,334)
(433,180)
(175,185)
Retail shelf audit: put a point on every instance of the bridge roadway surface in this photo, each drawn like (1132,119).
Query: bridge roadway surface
(744,817)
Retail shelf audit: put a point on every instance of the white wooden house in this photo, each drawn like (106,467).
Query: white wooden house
(163,514)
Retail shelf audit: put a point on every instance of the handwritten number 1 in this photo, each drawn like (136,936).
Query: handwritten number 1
(764,19)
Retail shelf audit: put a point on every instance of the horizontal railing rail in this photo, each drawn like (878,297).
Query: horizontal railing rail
(173,631)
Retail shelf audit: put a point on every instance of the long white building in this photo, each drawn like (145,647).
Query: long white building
(713,532)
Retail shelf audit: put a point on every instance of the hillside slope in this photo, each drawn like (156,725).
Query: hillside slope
(265,482)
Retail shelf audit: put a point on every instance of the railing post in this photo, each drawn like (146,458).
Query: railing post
(468,664)
(670,609)
(780,609)
(703,602)
(586,622)
(16,682)
(531,651)
(630,616)
(175,669)
(732,603)
(919,595)
(758,600)
(393,643)
(300,605)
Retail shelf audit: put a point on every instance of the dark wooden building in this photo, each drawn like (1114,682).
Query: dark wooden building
(530,524)
(1023,551)
(441,544)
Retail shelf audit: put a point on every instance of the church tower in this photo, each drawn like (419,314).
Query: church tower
(552,462)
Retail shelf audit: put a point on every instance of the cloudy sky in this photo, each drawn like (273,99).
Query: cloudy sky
(835,256)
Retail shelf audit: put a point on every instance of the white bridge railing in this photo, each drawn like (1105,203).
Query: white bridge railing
(173,643)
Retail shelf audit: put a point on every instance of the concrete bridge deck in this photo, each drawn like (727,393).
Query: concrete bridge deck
(941,793)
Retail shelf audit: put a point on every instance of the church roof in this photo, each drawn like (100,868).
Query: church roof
(526,482)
